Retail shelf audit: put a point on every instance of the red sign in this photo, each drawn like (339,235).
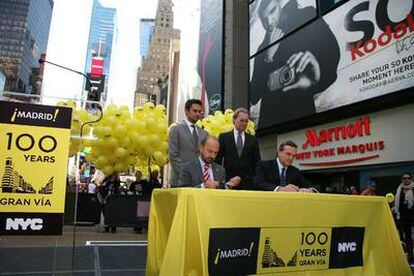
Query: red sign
(361,128)
(97,67)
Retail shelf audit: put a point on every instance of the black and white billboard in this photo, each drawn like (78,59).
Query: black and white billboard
(210,57)
(271,20)
(360,50)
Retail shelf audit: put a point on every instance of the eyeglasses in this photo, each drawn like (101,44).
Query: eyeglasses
(405,178)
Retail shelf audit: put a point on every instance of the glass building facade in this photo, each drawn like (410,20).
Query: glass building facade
(146,30)
(24,32)
(102,36)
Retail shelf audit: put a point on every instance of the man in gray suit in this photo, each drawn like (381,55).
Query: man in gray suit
(184,139)
(202,172)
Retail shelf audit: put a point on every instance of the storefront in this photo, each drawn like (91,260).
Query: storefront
(352,152)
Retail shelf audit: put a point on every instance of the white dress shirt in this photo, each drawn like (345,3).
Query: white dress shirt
(189,124)
(280,167)
(236,134)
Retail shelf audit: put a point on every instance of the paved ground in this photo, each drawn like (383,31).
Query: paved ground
(54,255)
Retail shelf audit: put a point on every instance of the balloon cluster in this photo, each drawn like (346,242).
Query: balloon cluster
(79,117)
(220,123)
(125,140)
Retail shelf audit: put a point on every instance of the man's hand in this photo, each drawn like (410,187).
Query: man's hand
(288,188)
(299,62)
(305,190)
(211,184)
(275,35)
(234,182)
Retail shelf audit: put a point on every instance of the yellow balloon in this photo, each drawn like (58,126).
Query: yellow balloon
(124,141)
(108,170)
(101,162)
(218,113)
(229,112)
(106,131)
(163,146)
(390,197)
(148,107)
(134,137)
(111,142)
(157,155)
(110,121)
(151,121)
(154,139)
(120,152)
(119,131)
(89,158)
(143,141)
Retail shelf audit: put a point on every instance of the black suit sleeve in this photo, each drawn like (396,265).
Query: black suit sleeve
(298,179)
(261,180)
(220,155)
(256,155)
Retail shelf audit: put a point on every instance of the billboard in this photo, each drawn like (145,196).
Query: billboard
(266,28)
(359,51)
(210,55)
(33,164)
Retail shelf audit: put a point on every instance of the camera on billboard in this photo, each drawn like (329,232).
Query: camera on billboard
(281,77)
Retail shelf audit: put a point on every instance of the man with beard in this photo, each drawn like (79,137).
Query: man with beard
(203,172)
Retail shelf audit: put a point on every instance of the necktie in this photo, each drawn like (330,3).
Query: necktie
(283,177)
(195,137)
(206,174)
(239,144)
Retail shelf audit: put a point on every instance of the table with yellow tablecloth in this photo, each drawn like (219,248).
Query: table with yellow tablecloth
(223,232)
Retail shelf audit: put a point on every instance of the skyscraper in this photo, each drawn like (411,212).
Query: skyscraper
(24,34)
(154,69)
(146,30)
(102,37)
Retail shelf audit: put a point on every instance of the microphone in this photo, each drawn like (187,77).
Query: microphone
(91,93)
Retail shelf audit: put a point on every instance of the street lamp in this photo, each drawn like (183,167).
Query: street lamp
(91,94)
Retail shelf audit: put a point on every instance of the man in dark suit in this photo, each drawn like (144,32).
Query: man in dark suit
(279,175)
(202,172)
(239,152)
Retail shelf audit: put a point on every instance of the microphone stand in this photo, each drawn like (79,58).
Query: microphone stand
(93,106)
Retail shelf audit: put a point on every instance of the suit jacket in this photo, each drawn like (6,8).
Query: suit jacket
(192,174)
(234,165)
(267,176)
(182,148)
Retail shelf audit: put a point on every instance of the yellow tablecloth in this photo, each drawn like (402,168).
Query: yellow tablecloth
(223,232)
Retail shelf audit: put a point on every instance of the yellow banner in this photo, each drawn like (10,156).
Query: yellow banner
(33,164)
(219,232)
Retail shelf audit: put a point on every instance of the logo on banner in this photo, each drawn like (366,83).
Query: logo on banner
(34,224)
(233,250)
(346,247)
(14,182)
(30,223)
(32,115)
(270,258)
(215,102)
(293,249)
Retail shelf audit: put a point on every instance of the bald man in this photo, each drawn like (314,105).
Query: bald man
(203,172)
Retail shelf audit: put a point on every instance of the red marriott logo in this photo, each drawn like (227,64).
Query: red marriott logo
(359,129)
